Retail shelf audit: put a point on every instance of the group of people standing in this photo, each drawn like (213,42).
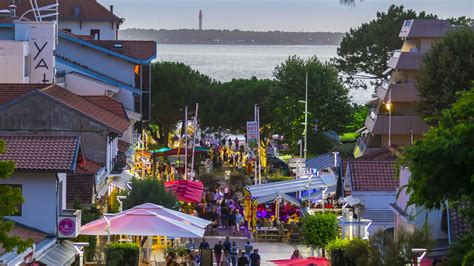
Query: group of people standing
(227,253)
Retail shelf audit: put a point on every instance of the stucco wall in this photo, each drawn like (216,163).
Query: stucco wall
(375,200)
(87,86)
(107,31)
(40,207)
(98,61)
(38,115)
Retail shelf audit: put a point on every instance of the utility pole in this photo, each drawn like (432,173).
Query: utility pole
(195,122)
(256,157)
(306,118)
(259,153)
(185,126)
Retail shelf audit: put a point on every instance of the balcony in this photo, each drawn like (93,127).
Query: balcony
(405,92)
(118,164)
(400,125)
(406,60)
(69,223)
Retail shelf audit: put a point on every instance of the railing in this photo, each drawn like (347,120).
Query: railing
(61,76)
(69,223)
(118,163)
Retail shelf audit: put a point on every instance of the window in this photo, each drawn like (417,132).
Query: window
(27,65)
(67,30)
(95,33)
(19,207)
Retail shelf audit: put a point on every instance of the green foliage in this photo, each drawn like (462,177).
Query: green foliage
(118,253)
(208,180)
(231,104)
(357,117)
(319,229)
(446,69)
(149,190)
(328,100)
(364,51)
(237,182)
(387,250)
(174,85)
(462,250)
(10,199)
(345,252)
(443,155)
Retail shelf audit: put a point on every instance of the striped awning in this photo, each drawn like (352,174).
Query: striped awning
(63,253)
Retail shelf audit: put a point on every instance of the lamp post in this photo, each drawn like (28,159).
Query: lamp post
(388,105)
(185,143)
(305,132)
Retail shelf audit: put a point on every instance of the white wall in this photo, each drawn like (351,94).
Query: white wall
(87,86)
(39,210)
(98,61)
(107,32)
(12,61)
(126,98)
(112,151)
(375,200)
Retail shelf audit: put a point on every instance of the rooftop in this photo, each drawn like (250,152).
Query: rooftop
(108,103)
(88,108)
(424,28)
(45,153)
(82,10)
(9,92)
(373,176)
(25,232)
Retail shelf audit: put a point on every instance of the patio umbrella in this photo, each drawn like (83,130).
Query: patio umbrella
(303,262)
(148,220)
(185,190)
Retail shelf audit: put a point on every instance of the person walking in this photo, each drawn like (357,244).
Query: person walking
(204,244)
(218,252)
(255,258)
(238,220)
(243,260)
(248,248)
(234,253)
(227,244)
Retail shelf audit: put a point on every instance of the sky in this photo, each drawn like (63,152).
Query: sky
(268,15)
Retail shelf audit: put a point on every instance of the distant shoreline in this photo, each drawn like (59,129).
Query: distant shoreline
(234,37)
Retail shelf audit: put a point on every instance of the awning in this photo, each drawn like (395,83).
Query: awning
(352,201)
(302,262)
(187,191)
(122,180)
(63,253)
(297,185)
(275,195)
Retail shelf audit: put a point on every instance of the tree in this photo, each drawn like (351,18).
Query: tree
(233,103)
(364,51)
(10,199)
(328,101)
(149,190)
(444,157)
(174,85)
(319,229)
(446,69)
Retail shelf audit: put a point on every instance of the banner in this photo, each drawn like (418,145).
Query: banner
(252,133)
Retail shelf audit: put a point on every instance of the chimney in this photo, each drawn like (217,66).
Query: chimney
(112,9)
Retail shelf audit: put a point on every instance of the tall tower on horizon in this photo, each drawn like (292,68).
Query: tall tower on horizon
(200,19)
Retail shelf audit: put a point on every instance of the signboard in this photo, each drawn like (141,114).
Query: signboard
(295,163)
(67,227)
(252,133)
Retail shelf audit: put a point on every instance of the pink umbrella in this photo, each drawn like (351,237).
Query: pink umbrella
(148,220)
(187,191)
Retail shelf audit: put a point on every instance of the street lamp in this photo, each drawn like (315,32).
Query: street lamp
(305,133)
(388,106)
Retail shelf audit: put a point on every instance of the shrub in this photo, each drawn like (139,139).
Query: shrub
(336,248)
(319,230)
(122,254)
(208,180)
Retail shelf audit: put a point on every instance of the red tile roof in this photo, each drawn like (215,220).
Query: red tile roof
(89,167)
(47,153)
(88,9)
(373,176)
(24,232)
(9,92)
(108,103)
(88,108)
(142,50)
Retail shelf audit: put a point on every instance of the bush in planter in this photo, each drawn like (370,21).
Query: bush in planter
(122,254)
(336,248)
(357,252)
